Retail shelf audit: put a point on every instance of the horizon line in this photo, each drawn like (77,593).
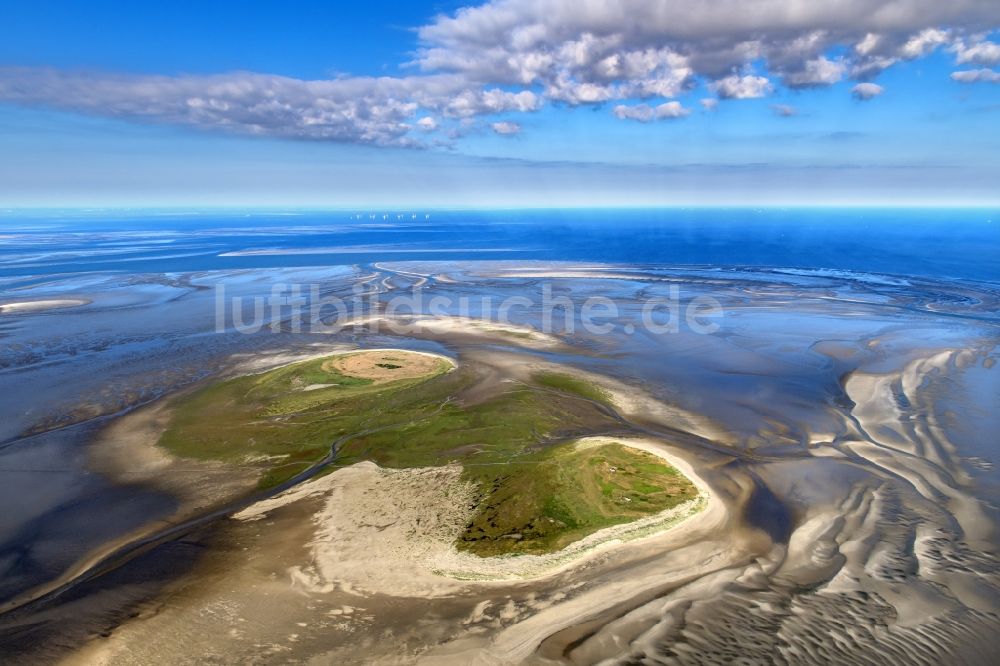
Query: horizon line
(410,208)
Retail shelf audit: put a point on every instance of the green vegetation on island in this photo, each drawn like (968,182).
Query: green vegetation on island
(547,500)
(538,491)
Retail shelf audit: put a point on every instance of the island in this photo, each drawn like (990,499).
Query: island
(530,482)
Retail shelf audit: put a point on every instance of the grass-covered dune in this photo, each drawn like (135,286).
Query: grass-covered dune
(547,500)
(537,490)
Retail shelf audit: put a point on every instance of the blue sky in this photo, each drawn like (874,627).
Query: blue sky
(506,104)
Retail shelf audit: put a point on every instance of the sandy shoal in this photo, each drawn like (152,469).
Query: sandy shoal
(25,307)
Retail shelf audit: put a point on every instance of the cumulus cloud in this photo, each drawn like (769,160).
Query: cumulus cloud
(536,41)
(472,102)
(379,111)
(866,91)
(427,124)
(742,87)
(983,52)
(976,76)
(645,113)
(784,110)
(512,56)
(709,103)
(506,128)
(923,43)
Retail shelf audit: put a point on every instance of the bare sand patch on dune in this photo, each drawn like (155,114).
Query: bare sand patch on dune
(381,366)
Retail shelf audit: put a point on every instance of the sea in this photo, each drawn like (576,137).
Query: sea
(948,243)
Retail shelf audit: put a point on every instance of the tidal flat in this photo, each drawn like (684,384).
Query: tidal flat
(834,428)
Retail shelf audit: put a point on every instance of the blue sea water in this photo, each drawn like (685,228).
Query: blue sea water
(962,243)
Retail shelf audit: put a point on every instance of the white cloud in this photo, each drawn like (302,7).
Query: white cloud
(368,110)
(976,76)
(590,40)
(511,56)
(379,111)
(468,103)
(641,112)
(868,44)
(872,65)
(645,113)
(979,53)
(563,89)
(671,110)
(735,86)
(506,128)
(709,103)
(866,91)
(924,43)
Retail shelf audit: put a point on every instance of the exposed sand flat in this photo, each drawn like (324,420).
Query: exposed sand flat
(127,452)
(637,404)
(418,280)
(599,273)
(573,271)
(248,364)
(425,324)
(902,437)
(27,307)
